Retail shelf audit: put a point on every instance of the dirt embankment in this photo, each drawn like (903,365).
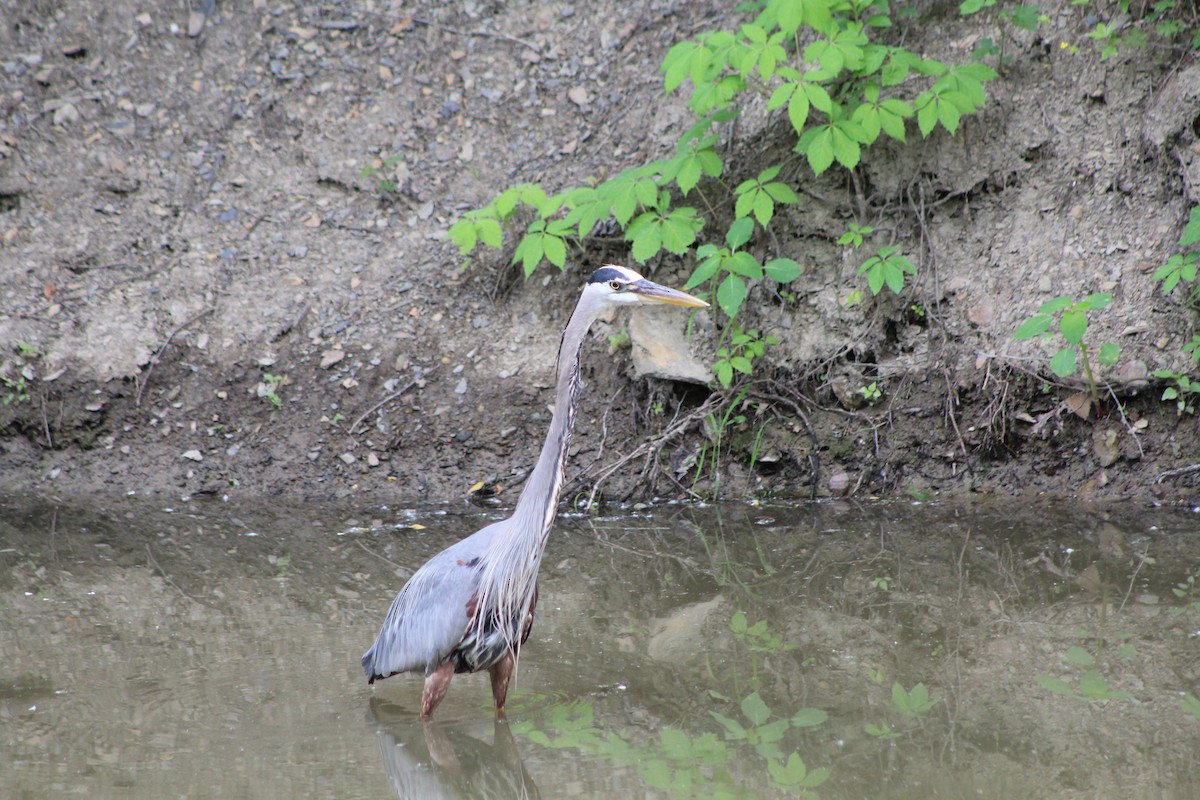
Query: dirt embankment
(222,265)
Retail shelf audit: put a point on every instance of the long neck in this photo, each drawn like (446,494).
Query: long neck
(539,500)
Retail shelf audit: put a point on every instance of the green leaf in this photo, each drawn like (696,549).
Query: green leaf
(1063,363)
(555,250)
(782,270)
(733,728)
(1109,353)
(1191,232)
(706,269)
(1057,304)
(730,295)
(809,718)
(927,113)
(678,63)
(1095,301)
(490,233)
(773,731)
(679,230)
(1191,705)
(845,144)
(1073,325)
(764,208)
(1079,657)
(788,775)
(820,150)
(1056,685)
(464,233)
(798,107)
(738,623)
(746,265)
(646,234)
(1034,326)
(739,232)
(724,373)
(675,744)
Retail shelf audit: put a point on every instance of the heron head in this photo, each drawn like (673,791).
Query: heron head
(622,285)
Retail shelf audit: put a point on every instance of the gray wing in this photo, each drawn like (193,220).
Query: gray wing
(429,618)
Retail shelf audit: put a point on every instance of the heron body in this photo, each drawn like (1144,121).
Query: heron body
(470,607)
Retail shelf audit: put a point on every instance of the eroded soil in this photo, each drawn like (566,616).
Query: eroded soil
(192,224)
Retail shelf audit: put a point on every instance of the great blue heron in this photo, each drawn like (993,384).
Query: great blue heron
(470,607)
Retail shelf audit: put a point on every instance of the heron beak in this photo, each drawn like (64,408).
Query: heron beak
(650,292)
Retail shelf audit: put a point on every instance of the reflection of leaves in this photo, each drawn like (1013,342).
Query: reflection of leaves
(733,728)
(1079,657)
(1092,686)
(794,773)
(755,709)
(809,718)
(1191,705)
(912,703)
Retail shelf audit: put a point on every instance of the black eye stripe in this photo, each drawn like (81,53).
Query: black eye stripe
(606,275)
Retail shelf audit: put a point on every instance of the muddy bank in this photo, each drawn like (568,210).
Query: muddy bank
(224,269)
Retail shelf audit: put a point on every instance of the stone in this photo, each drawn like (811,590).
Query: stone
(660,349)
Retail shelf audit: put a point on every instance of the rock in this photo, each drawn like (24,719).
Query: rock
(1134,374)
(982,314)
(1106,446)
(347,458)
(66,114)
(839,483)
(660,349)
(673,639)
(579,96)
(193,455)
(331,357)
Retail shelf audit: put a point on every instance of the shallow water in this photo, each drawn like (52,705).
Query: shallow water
(893,650)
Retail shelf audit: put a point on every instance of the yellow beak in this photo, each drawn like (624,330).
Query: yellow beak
(650,292)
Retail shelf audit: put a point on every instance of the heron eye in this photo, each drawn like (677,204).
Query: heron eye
(616,286)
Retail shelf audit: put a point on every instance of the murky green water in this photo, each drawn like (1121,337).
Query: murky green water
(882,651)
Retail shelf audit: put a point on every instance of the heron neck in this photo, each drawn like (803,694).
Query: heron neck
(538,503)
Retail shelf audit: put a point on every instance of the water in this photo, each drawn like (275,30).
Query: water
(994,650)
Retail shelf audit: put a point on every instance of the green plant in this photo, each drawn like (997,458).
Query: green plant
(1070,317)
(1027,17)
(887,268)
(1181,267)
(756,637)
(881,731)
(1186,590)
(1191,705)
(1112,36)
(271,383)
(839,92)
(855,235)
(386,183)
(16,390)
(1181,392)
(619,340)
(740,355)
(919,493)
(913,702)
(871,392)
(883,583)
(1091,685)
(26,350)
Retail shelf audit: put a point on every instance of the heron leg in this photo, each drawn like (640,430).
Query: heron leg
(437,683)
(501,673)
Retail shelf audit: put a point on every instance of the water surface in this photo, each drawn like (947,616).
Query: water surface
(207,649)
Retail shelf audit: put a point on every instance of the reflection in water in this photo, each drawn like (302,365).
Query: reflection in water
(887,651)
(430,760)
